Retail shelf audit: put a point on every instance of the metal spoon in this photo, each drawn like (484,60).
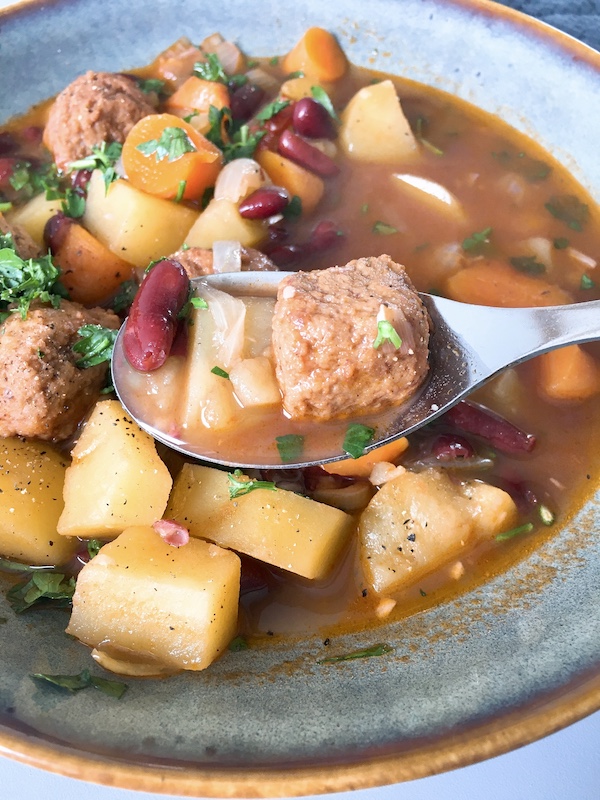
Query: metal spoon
(469,345)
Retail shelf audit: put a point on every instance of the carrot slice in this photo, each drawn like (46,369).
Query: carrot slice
(318,55)
(363,466)
(167,157)
(492,283)
(569,374)
(293,177)
(199,95)
(91,273)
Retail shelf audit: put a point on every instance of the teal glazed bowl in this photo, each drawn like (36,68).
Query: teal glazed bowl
(495,668)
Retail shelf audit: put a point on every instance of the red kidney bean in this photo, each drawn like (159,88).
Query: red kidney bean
(312,119)
(152,322)
(8,143)
(80,180)
(7,168)
(56,229)
(280,121)
(306,155)
(254,578)
(325,235)
(497,431)
(448,447)
(32,135)
(264,203)
(245,100)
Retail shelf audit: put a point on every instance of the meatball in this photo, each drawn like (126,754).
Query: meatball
(24,244)
(198,261)
(329,362)
(43,394)
(97,107)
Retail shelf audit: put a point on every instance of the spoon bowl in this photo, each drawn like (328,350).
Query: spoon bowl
(469,345)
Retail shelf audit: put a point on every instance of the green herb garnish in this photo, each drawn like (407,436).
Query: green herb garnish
(561,243)
(293,210)
(387,333)
(238,644)
(420,124)
(152,86)
(73,204)
(41,586)
(356,439)
(586,283)
(173,144)
(211,69)
(95,346)
(271,109)
(290,446)
(4,207)
(531,169)
(570,210)
(22,281)
(526,528)
(383,229)
(199,302)
(15,566)
(103,157)
(74,683)
(29,181)
(240,484)
(320,95)
(237,141)
(367,652)
(220,372)
(124,297)
(528,264)
(477,241)
(94,546)
(180,191)
(546,515)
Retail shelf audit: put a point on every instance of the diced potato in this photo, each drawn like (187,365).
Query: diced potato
(419,521)
(31,483)
(34,215)
(259,325)
(373,126)
(221,221)
(275,526)
(144,601)
(254,382)
(136,226)
(116,478)
(430,195)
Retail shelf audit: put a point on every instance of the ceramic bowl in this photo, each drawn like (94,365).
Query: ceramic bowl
(497,667)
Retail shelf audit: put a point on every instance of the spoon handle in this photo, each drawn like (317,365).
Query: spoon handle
(496,338)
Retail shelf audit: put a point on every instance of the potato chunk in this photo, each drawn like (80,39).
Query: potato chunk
(374,128)
(275,526)
(143,600)
(31,483)
(116,478)
(136,226)
(419,521)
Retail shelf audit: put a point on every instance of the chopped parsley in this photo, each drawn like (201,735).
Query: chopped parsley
(152,86)
(41,586)
(73,204)
(240,484)
(586,283)
(22,281)
(526,528)
(180,191)
(29,181)
(234,140)
(124,297)
(356,439)
(387,333)
(211,69)
(420,124)
(367,652)
(383,229)
(271,109)
(95,345)
(239,643)
(546,515)
(561,243)
(104,158)
(84,680)
(199,302)
(94,546)
(4,207)
(528,264)
(320,95)
(477,241)
(290,446)
(172,145)
(293,210)
(570,210)
(532,169)
(220,372)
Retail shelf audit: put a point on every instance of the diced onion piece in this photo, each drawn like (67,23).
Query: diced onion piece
(129,663)
(227,256)
(587,262)
(261,78)
(385,607)
(433,195)
(385,471)
(229,315)
(238,179)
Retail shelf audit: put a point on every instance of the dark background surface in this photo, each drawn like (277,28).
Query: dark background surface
(580,18)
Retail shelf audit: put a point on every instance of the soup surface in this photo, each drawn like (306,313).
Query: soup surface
(219,162)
